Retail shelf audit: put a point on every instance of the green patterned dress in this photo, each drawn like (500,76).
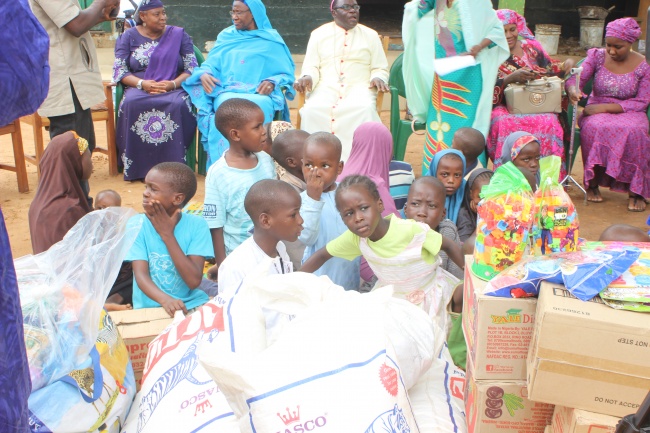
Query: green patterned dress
(454,97)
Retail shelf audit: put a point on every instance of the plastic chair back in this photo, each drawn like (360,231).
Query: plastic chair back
(396,78)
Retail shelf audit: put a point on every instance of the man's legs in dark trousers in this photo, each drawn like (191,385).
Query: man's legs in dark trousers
(81,122)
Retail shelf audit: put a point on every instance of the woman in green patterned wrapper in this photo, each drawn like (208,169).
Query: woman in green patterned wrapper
(435,29)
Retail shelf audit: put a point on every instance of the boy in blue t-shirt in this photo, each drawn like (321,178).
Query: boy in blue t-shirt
(169,253)
(242,123)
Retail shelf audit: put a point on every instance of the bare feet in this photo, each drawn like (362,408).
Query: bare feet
(636,203)
(593,195)
(117,307)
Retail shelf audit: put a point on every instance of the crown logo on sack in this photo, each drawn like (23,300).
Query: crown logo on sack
(290,417)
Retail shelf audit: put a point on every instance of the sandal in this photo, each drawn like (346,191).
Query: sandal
(633,206)
(595,195)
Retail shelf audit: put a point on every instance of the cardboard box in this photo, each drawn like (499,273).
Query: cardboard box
(487,403)
(497,330)
(138,328)
(569,420)
(587,355)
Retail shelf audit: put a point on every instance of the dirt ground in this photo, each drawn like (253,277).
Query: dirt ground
(594,218)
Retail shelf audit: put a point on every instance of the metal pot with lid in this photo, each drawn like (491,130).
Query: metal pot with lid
(594,12)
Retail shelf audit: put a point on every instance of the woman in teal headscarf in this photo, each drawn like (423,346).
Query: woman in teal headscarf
(249,60)
(435,29)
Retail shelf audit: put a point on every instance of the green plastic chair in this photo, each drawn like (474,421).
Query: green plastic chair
(576,141)
(191,156)
(399,128)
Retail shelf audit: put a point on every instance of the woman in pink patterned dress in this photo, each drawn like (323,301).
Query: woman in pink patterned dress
(614,125)
(527,61)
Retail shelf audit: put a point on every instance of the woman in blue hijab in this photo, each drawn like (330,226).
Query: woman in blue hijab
(249,60)
(454,200)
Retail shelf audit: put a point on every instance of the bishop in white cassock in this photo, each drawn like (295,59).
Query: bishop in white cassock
(344,68)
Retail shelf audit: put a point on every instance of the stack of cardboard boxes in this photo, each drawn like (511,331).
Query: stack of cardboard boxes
(592,362)
(589,359)
(498,332)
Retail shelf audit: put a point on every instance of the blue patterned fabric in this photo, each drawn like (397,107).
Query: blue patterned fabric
(14,372)
(24,67)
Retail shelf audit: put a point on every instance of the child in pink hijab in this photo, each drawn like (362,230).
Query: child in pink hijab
(372,150)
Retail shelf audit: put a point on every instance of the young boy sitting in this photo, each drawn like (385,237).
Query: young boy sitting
(426,203)
(471,142)
(107,198)
(229,179)
(171,248)
(321,166)
(274,208)
(121,295)
(287,151)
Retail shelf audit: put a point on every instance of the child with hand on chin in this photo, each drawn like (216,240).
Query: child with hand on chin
(170,250)
(274,208)
(228,180)
(321,166)
(403,253)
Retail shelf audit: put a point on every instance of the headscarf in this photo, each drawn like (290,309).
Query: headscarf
(264,28)
(626,29)
(372,148)
(59,201)
(512,146)
(508,16)
(278,127)
(467,218)
(468,187)
(453,202)
(147,5)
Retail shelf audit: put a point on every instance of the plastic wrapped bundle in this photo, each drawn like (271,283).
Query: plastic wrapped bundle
(555,221)
(504,222)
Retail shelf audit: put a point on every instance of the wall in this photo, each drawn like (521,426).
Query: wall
(565,12)
(294,19)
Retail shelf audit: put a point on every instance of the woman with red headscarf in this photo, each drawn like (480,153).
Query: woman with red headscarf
(527,61)
(614,124)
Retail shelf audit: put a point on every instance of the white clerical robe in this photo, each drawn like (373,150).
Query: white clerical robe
(341,64)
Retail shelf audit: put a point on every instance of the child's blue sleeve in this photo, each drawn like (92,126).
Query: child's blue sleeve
(310,211)
(201,242)
(138,250)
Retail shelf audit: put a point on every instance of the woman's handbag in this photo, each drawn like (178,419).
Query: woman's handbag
(535,97)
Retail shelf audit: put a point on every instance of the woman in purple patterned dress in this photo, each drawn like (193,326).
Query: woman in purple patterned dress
(155,119)
(614,125)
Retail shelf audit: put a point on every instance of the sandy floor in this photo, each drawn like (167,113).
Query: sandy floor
(594,218)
